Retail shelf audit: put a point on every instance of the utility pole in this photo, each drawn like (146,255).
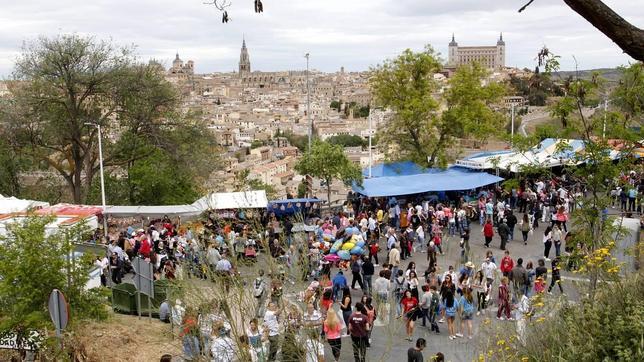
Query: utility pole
(605,112)
(370,132)
(100,160)
(512,126)
(308,101)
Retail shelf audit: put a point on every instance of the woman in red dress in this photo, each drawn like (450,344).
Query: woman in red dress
(410,309)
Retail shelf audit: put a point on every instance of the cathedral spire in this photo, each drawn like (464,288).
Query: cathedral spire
(453,43)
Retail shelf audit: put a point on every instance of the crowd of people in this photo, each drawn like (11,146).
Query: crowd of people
(391,288)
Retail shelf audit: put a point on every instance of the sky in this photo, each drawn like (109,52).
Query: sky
(355,34)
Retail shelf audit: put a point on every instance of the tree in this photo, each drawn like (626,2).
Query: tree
(627,36)
(629,94)
(64,83)
(68,81)
(346,140)
(418,131)
(31,265)
(328,162)
(406,85)
(469,103)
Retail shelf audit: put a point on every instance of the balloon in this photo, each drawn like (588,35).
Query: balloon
(336,246)
(360,243)
(348,246)
(357,251)
(331,258)
(344,254)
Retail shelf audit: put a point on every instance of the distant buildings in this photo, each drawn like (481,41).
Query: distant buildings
(491,57)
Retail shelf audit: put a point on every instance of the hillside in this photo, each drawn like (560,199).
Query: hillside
(610,74)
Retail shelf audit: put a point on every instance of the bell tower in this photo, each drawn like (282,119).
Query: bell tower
(244,59)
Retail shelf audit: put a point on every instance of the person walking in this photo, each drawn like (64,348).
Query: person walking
(504,232)
(556,276)
(547,242)
(358,329)
(519,278)
(415,354)
(479,284)
(345,307)
(367,274)
(339,283)
(394,260)
(511,221)
(488,232)
(525,227)
(410,312)
(506,264)
(503,300)
(557,235)
(272,325)
(333,331)
(356,267)
(467,312)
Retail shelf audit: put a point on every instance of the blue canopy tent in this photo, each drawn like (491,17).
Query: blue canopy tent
(402,168)
(291,206)
(432,180)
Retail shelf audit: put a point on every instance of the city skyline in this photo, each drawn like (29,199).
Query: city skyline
(356,34)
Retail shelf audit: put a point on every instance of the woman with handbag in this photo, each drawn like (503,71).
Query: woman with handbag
(410,311)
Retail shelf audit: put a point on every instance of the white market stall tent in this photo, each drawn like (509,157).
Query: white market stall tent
(548,153)
(12,204)
(233,200)
(214,201)
(59,222)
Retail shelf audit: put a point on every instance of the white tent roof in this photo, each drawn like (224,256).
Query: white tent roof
(215,201)
(153,211)
(11,204)
(233,200)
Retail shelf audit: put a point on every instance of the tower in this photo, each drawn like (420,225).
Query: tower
(452,53)
(244,59)
(177,63)
(500,53)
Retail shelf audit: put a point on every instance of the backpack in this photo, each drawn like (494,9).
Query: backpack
(400,287)
(258,288)
(355,267)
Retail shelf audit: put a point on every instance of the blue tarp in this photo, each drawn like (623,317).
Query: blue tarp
(403,168)
(290,206)
(451,179)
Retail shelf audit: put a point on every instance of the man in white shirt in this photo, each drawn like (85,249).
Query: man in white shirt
(272,325)
(222,347)
(312,318)
(489,271)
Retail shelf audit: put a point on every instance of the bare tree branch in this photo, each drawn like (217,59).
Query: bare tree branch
(526,5)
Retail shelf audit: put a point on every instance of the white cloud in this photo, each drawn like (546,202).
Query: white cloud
(351,33)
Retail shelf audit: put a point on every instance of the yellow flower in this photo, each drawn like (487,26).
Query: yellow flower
(538,305)
(500,342)
(524,359)
(541,319)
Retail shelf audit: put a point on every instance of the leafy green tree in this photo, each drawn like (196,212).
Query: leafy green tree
(256,144)
(9,170)
(406,85)
(629,94)
(68,81)
(346,140)
(64,83)
(328,162)
(469,103)
(336,105)
(31,266)
(418,131)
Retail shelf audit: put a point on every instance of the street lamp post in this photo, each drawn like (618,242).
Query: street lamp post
(100,160)
(308,100)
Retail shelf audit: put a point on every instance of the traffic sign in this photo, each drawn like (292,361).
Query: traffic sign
(58,310)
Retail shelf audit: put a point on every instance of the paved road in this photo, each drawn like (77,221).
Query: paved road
(388,342)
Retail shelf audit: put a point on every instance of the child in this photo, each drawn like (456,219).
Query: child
(539,285)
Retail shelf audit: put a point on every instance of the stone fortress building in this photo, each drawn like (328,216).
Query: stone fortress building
(491,57)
